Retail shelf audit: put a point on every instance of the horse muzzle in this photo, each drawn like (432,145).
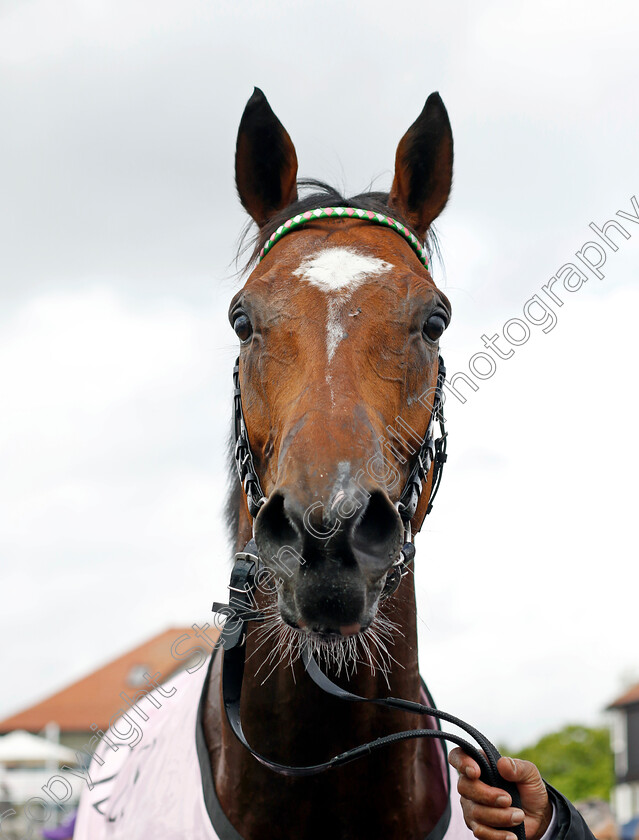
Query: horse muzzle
(330,561)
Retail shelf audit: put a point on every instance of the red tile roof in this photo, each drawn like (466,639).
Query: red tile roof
(627,698)
(95,699)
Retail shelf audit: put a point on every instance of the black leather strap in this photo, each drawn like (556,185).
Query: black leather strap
(243,455)
(431,453)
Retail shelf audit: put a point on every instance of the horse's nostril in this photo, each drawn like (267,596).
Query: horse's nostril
(274,518)
(377,521)
(376,535)
(275,529)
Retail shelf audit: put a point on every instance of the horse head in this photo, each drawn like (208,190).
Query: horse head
(339,325)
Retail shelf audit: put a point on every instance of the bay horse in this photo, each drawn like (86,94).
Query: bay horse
(337,390)
(339,325)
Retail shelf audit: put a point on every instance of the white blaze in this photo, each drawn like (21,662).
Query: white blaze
(338,272)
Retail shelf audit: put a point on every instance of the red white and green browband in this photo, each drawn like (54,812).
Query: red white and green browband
(346,212)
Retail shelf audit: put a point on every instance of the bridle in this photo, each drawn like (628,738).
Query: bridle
(242,607)
(431,454)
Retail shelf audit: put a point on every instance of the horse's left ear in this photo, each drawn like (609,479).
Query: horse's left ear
(265,161)
(424,167)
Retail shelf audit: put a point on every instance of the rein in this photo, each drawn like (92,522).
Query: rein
(241,609)
(242,606)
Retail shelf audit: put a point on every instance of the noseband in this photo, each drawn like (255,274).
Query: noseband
(242,607)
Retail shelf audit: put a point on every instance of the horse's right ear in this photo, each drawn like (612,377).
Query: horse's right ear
(424,167)
(265,161)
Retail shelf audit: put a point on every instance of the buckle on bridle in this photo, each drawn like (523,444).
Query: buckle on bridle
(399,569)
(242,606)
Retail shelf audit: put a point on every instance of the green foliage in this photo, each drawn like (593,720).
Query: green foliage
(577,760)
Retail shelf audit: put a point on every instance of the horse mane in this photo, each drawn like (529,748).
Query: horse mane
(314,195)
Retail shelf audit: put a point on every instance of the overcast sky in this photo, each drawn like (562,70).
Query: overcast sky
(118,231)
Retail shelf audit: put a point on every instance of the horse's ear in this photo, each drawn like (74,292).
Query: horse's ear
(424,167)
(265,161)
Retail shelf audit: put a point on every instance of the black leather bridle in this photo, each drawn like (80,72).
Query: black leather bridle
(242,609)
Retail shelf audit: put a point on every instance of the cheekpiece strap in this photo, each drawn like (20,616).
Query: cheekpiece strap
(243,455)
(432,453)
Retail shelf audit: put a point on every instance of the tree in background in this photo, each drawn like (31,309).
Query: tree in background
(577,760)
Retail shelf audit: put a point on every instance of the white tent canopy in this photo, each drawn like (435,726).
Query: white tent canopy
(23,747)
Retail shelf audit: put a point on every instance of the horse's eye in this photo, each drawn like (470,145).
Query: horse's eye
(434,326)
(242,327)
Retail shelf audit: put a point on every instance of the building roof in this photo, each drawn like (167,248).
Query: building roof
(627,698)
(95,699)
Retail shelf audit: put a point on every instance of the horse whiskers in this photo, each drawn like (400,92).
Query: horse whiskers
(282,643)
(264,631)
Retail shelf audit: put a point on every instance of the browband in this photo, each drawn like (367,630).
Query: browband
(346,213)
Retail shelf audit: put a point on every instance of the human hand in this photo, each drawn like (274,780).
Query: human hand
(488,811)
